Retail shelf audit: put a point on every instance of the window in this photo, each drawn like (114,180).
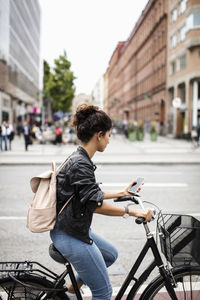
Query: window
(173,15)
(173,41)
(6,103)
(193,21)
(182,62)
(172,67)
(196,19)
(182,6)
(182,33)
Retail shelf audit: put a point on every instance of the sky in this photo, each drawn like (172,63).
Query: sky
(89,31)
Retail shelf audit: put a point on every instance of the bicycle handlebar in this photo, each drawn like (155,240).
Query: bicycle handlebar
(138,220)
(127,198)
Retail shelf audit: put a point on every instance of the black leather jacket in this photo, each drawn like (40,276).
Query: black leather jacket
(78,178)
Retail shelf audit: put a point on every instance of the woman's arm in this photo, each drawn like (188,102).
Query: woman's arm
(110,209)
(117,194)
(113,194)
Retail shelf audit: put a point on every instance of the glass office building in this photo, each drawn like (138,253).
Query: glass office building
(19,55)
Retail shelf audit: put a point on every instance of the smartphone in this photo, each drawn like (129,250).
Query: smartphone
(136,185)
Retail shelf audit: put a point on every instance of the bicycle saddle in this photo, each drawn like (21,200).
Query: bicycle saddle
(56,255)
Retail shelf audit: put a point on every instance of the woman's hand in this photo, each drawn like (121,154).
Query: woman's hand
(122,193)
(146,213)
(126,193)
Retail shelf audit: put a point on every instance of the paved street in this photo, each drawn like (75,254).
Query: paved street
(172,174)
(174,188)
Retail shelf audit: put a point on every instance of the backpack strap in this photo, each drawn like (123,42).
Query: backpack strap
(63,164)
(60,166)
(57,171)
(66,204)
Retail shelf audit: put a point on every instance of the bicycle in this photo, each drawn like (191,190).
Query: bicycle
(179,277)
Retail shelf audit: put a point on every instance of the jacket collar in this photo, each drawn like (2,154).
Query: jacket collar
(84,152)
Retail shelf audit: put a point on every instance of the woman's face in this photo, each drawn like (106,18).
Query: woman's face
(103,141)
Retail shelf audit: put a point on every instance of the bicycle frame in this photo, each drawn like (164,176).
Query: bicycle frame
(59,282)
(58,279)
(157,262)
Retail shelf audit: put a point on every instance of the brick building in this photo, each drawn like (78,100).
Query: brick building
(183,80)
(137,72)
(159,63)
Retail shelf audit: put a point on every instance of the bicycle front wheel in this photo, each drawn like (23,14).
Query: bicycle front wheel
(29,288)
(187,286)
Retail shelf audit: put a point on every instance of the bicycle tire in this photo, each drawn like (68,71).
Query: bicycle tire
(188,285)
(10,289)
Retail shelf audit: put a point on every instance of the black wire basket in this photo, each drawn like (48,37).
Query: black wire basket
(180,239)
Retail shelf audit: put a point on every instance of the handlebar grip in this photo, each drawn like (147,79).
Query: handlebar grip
(139,220)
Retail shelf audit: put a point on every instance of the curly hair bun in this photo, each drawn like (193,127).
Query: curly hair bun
(88,120)
(83,111)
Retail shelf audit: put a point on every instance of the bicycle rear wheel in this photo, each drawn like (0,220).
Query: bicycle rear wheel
(187,286)
(10,289)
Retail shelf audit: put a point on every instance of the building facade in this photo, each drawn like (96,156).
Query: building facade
(137,71)
(97,94)
(183,82)
(80,99)
(20,62)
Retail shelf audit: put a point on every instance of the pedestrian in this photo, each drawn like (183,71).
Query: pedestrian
(194,136)
(125,128)
(4,136)
(71,134)
(58,134)
(27,137)
(0,138)
(198,134)
(19,129)
(89,253)
(11,134)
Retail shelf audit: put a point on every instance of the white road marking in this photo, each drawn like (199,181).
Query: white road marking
(148,184)
(131,173)
(12,218)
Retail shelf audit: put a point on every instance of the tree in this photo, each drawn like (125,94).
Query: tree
(46,74)
(46,79)
(59,84)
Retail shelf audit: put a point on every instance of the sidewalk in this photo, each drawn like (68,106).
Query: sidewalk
(120,151)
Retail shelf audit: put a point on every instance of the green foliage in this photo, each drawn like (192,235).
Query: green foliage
(140,131)
(153,132)
(59,84)
(47,72)
(131,128)
(46,78)
(153,129)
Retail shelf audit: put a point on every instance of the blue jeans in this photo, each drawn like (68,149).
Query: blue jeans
(4,139)
(89,261)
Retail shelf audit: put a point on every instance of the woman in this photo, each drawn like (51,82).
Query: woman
(72,236)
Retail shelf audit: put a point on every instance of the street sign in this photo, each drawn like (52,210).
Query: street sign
(176,102)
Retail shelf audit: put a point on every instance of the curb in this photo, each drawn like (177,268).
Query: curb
(104,163)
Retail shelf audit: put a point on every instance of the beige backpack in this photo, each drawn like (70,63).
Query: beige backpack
(41,215)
